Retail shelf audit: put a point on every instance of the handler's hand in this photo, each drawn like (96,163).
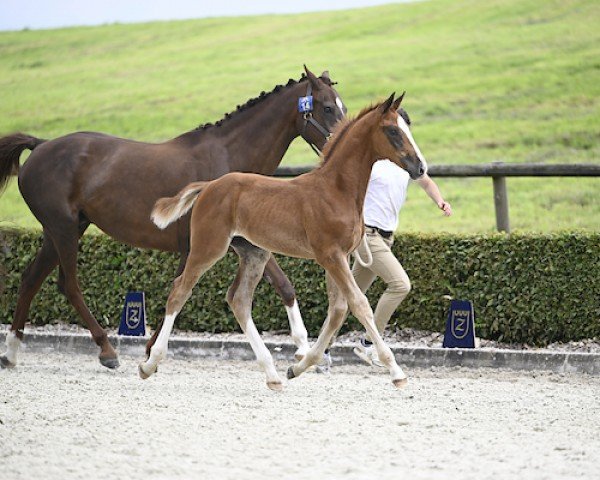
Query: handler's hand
(445,207)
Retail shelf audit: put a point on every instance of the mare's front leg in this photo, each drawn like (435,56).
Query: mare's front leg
(239,298)
(284,288)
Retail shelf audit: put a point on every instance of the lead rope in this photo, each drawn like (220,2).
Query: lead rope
(369,261)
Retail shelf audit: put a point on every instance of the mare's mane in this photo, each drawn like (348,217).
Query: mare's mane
(253,101)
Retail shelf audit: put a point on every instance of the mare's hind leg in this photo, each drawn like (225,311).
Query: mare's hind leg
(31,281)
(336,314)
(66,238)
(239,298)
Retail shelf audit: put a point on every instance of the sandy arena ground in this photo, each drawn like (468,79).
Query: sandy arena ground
(66,417)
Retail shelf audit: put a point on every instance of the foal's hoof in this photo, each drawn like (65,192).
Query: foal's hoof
(144,374)
(400,382)
(290,373)
(6,363)
(275,386)
(110,362)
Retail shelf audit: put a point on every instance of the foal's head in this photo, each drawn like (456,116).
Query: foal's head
(393,139)
(327,109)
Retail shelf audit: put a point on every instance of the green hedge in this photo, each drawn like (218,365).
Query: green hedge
(533,289)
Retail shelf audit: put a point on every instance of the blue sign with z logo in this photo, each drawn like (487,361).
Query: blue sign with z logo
(460,325)
(133,318)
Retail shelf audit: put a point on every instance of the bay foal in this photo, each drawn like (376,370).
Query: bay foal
(317,215)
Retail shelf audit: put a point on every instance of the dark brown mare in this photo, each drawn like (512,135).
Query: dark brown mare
(84,178)
(318,215)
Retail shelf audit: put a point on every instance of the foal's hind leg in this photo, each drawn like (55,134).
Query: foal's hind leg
(31,281)
(198,262)
(239,298)
(284,288)
(179,271)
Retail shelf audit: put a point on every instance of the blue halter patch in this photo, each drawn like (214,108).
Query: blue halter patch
(305,104)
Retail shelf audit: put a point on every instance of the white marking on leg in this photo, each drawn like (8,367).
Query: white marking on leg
(297,328)
(263,356)
(12,347)
(158,352)
(404,127)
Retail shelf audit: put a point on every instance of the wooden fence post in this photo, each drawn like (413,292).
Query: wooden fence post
(501,204)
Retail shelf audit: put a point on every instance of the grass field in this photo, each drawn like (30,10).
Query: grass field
(509,80)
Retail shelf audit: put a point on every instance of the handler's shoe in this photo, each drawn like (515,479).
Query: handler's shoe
(325,366)
(367,354)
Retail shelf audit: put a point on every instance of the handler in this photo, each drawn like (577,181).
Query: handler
(385,197)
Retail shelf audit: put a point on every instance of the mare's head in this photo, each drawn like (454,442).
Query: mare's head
(393,139)
(317,119)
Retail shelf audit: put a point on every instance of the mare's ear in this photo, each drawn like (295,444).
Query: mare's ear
(385,106)
(314,81)
(325,77)
(398,101)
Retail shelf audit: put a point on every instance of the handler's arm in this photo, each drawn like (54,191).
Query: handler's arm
(431,188)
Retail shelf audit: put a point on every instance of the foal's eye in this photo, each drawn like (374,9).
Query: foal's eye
(328,109)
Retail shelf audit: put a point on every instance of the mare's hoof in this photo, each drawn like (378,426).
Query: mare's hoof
(109,362)
(300,353)
(290,373)
(5,362)
(145,374)
(275,386)
(400,382)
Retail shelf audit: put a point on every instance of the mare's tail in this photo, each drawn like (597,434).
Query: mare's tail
(11,148)
(167,210)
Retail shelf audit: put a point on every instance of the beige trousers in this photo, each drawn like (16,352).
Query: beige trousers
(388,268)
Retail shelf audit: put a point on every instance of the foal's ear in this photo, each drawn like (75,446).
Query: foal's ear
(398,101)
(314,81)
(385,106)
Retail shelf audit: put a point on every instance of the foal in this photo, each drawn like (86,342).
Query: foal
(317,215)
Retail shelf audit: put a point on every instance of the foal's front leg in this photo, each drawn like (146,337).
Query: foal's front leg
(336,314)
(239,298)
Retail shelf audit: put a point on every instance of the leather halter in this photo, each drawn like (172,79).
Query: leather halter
(308,118)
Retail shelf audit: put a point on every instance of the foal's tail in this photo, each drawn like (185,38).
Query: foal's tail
(167,210)
(11,148)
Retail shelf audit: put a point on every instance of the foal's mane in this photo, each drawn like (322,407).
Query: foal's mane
(340,130)
(250,103)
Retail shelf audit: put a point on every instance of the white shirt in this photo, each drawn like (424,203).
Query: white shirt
(386,194)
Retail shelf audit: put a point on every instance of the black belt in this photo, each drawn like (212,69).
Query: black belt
(381,231)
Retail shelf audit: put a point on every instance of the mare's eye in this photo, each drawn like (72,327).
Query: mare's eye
(328,109)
